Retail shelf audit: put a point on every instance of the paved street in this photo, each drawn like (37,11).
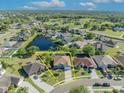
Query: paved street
(30,88)
(43,85)
(86,82)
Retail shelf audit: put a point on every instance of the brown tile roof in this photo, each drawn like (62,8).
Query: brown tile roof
(65,60)
(83,61)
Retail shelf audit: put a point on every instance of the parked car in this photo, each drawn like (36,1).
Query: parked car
(106,84)
(109,76)
(97,84)
(122,90)
(117,79)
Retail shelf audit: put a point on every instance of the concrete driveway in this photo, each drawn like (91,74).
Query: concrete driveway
(94,74)
(43,85)
(68,73)
(29,87)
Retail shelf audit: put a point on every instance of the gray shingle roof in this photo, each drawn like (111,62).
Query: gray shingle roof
(32,68)
(104,60)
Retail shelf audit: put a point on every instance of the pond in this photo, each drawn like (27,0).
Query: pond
(42,43)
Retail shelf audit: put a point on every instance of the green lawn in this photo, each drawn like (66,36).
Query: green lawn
(114,51)
(111,33)
(81,72)
(47,77)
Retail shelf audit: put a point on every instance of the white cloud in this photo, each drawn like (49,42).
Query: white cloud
(88,5)
(29,7)
(108,1)
(53,3)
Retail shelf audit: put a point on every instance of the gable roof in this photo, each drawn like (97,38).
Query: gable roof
(83,61)
(15,80)
(65,60)
(104,60)
(32,68)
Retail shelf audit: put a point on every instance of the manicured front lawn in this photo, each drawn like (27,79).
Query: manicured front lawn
(47,77)
(98,72)
(81,72)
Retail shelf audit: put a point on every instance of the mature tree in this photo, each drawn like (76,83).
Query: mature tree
(89,49)
(115,91)
(80,89)
(91,36)
(22,51)
(32,49)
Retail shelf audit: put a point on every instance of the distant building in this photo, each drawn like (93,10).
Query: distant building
(118,28)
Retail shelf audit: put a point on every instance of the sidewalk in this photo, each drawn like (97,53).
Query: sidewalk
(43,85)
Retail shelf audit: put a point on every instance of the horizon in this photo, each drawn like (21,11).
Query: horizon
(85,5)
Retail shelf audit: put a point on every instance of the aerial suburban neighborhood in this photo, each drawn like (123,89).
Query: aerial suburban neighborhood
(54,50)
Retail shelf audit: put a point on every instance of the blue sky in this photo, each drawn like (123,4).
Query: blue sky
(111,5)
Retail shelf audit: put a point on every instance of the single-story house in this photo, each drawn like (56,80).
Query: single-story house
(84,62)
(6,81)
(60,61)
(110,43)
(98,45)
(33,68)
(120,59)
(104,61)
(118,28)
(79,44)
(10,44)
(16,80)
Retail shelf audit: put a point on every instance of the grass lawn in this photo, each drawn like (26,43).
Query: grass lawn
(114,51)
(98,72)
(47,77)
(81,72)
(103,91)
(111,33)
